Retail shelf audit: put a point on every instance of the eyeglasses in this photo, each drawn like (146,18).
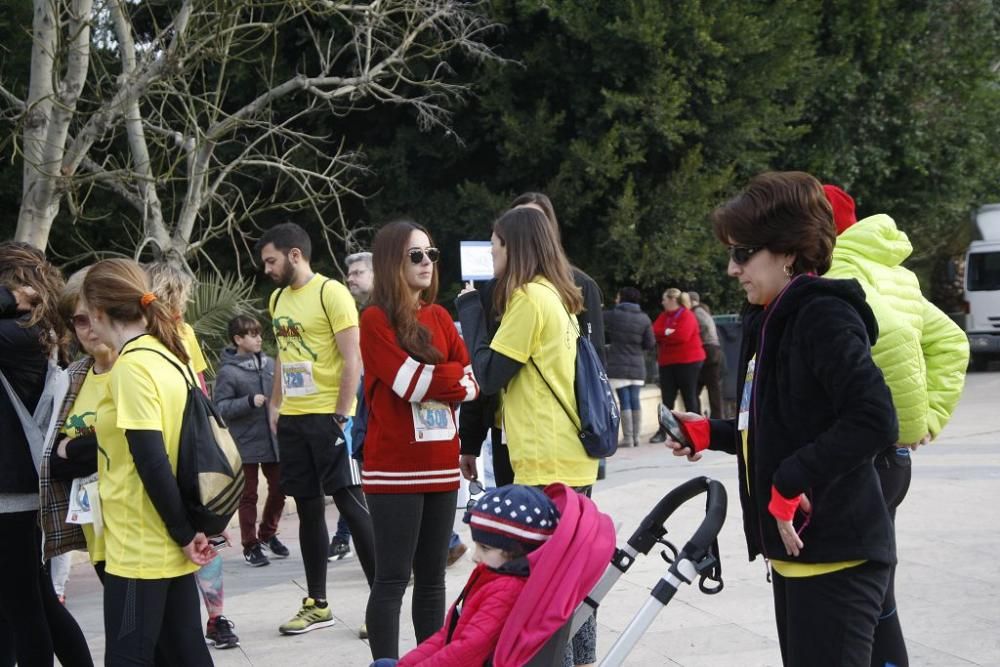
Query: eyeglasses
(80,321)
(476,488)
(416,255)
(741,254)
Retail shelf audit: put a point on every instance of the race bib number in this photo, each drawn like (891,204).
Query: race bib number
(83,497)
(297,378)
(743,422)
(433,421)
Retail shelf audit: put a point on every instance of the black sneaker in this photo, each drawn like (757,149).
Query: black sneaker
(219,632)
(255,557)
(339,550)
(277,549)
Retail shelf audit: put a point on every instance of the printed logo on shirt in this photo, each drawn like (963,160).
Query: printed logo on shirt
(288,333)
(79,426)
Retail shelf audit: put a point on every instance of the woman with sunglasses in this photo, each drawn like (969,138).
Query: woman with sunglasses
(679,353)
(815,410)
(416,373)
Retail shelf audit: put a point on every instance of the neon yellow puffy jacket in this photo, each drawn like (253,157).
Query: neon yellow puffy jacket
(921,351)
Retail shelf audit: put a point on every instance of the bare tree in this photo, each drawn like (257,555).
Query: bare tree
(151,112)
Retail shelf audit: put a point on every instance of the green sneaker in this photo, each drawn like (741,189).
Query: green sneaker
(310,617)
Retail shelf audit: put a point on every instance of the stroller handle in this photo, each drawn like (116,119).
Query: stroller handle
(652,528)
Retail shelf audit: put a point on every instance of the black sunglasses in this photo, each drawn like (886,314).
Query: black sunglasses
(741,254)
(475,488)
(416,255)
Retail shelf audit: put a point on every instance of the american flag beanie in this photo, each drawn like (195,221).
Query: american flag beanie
(512,514)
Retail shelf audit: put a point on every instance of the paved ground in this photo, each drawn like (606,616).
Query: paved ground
(948,585)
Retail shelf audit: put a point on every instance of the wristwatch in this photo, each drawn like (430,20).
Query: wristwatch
(339,418)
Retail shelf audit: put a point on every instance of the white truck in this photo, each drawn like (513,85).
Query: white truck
(982,288)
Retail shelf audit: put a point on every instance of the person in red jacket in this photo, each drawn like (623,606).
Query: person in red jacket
(679,353)
(507,524)
(416,372)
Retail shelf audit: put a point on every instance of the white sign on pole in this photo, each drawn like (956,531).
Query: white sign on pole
(477,261)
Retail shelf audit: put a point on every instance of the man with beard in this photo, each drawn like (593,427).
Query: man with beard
(316,375)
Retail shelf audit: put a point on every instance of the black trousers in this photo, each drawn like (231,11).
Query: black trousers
(34,626)
(894,474)
(411,535)
(682,378)
(710,376)
(503,471)
(829,620)
(153,621)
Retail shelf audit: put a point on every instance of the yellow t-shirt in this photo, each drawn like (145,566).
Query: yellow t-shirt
(311,363)
(193,348)
(145,392)
(786,568)
(82,421)
(543,441)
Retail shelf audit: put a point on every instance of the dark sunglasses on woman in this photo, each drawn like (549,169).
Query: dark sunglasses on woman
(417,255)
(741,254)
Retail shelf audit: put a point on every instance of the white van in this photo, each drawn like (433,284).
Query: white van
(982,288)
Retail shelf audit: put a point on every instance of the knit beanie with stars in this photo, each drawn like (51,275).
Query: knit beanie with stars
(512,515)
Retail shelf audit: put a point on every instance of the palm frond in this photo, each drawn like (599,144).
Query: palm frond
(215,300)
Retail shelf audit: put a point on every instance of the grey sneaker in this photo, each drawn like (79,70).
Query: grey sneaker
(219,632)
(339,550)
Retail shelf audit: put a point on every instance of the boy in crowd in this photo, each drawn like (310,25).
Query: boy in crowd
(244,382)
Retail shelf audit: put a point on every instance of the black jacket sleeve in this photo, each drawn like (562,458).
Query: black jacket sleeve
(153,466)
(8,304)
(592,318)
(80,461)
(493,370)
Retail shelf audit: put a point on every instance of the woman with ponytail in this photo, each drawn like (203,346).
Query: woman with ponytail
(416,372)
(33,625)
(151,549)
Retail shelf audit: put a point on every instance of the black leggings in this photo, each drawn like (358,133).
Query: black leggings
(153,621)
(894,473)
(314,538)
(36,624)
(683,378)
(411,534)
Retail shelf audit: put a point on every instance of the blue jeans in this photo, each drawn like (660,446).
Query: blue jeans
(628,397)
(384,662)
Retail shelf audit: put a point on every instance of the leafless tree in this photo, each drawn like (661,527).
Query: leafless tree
(160,115)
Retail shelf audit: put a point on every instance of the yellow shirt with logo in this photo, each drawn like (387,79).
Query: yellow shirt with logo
(193,348)
(543,441)
(82,421)
(786,568)
(144,392)
(311,363)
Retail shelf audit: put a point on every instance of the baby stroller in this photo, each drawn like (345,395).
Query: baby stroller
(543,621)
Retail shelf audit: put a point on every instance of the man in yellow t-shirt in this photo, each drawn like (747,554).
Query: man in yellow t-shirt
(317,371)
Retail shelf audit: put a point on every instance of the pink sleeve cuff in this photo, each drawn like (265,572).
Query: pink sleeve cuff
(781,508)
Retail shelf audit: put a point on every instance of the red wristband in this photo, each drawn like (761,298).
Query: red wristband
(699,432)
(782,508)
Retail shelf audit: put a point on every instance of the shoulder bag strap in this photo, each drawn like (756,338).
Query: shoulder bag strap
(32,431)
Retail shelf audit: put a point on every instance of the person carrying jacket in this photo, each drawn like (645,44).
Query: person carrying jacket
(629,332)
(813,414)
(922,353)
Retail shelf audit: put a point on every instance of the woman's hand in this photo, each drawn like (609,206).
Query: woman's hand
(789,536)
(26,298)
(469,287)
(199,551)
(467,464)
(678,448)
(61,448)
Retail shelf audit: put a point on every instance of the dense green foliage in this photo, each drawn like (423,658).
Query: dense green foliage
(638,117)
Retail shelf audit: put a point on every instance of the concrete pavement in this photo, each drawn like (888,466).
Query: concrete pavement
(948,582)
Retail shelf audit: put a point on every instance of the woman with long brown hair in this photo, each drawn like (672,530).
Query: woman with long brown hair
(416,372)
(33,625)
(151,548)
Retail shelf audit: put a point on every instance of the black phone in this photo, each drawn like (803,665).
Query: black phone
(673,428)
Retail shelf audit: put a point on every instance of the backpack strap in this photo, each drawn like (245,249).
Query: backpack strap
(191,382)
(322,305)
(552,391)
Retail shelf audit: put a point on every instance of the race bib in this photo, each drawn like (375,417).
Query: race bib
(297,378)
(83,498)
(433,421)
(743,422)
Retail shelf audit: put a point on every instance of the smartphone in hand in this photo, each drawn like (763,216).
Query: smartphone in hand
(673,428)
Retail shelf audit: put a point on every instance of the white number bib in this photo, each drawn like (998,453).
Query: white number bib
(433,421)
(297,378)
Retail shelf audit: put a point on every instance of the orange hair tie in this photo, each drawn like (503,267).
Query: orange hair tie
(147,299)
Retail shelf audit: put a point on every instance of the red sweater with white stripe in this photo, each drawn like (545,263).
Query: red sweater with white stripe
(412,441)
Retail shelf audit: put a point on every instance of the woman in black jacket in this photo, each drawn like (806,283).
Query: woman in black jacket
(813,414)
(628,332)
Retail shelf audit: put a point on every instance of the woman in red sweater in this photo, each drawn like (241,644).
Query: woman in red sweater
(416,372)
(679,353)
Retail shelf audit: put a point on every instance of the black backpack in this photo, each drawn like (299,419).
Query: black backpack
(209,467)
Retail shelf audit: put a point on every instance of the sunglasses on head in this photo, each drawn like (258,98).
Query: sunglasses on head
(80,321)
(416,255)
(741,254)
